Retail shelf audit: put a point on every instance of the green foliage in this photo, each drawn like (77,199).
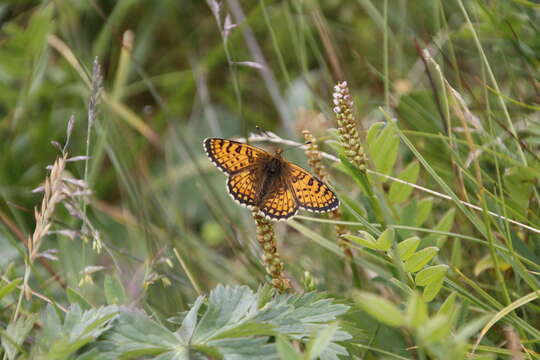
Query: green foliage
(229,324)
(443,221)
(114,292)
(60,338)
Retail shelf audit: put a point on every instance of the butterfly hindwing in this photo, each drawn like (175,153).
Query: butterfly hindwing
(312,193)
(281,204)
(231,156)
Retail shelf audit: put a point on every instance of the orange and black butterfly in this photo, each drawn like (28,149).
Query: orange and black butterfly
(264,181)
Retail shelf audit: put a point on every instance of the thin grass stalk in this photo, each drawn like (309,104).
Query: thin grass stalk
(385,57)
(461,110)
(493,80)
(123,66)
(275,44)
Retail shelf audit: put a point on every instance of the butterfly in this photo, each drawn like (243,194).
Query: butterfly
(268,183)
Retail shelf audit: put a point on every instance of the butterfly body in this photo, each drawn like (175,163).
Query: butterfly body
(267,182)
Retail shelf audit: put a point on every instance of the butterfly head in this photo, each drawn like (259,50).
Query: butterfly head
(278,152)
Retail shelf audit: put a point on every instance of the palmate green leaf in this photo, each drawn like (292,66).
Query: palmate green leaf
(135,334)
(15,334)
(189,323)
(232,326)
(400,192)
(299,316)
(227,307)
(58,340)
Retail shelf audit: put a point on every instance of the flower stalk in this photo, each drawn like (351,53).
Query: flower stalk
(271,258)
(315,162)
(348,134)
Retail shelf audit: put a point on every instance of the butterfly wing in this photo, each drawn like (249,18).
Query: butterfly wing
(241,186)
(312,194)
(232,156)
(280,204)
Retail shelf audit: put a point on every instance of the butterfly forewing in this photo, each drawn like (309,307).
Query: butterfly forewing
(312,193)
(232,156)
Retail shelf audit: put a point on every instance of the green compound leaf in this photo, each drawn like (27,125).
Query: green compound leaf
(400,192)
(233,326)
(434,330)
(445,224)
(385,241)
(384,150)
(432,289)
(423,209)
(420,259)
(407,247)
(431,274)
(448,307)
(417,312)
(321,341)
(365,240)
(379,308)
(61,338)
(15,334)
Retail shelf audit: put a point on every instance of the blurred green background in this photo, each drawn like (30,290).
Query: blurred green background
(176,72)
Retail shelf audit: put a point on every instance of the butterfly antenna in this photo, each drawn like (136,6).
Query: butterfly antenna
(262,132)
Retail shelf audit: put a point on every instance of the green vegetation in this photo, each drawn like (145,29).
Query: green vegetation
(118,239)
